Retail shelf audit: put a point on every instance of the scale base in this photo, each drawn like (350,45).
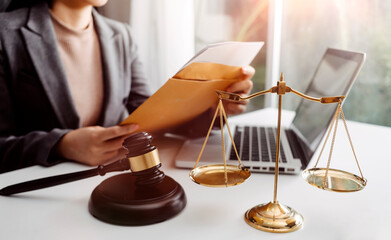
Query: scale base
(274,217)
(118,200)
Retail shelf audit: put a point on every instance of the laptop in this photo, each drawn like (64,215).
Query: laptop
(256,144)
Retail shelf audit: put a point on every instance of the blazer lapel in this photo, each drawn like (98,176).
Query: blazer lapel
(42,46)
(109,43)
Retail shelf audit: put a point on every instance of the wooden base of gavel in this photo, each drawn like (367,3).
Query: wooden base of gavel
(119,200)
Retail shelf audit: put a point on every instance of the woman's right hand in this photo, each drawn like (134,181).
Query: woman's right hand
(94,145)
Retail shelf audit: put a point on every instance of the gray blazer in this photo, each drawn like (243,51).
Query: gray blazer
(36,107)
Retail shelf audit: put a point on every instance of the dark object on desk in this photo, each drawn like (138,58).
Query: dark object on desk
(145,196)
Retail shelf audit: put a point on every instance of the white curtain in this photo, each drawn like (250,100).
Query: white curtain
(164,31)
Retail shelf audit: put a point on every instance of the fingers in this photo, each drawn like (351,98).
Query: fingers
(114,138)
(233,108)
(94,145)
(110,156)
(112,147)
(247,72)
(114,144)
(243,87)
(113,155)
(245,84)
(102,158)
(117,131)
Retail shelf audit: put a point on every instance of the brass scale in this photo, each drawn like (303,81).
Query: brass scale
(274,216)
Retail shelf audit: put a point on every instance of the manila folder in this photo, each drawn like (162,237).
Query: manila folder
(183,97)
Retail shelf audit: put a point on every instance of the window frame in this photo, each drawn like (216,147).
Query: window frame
(273,49)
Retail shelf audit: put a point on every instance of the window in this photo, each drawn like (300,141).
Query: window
(310,26)
(296,34)
(163,30)
(235,20)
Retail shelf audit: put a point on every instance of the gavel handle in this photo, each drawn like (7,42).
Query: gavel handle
(120,165)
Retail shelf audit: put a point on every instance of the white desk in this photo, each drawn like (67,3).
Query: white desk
(61,212)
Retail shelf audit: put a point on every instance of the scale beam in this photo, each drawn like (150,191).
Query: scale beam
(236,97)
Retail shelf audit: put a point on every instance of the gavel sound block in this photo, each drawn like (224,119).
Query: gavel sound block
(144,196)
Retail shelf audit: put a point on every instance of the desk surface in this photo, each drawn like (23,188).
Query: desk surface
(61,212)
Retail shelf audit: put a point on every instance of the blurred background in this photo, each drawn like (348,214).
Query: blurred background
(296,35)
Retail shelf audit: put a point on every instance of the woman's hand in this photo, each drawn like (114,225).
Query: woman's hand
(94,145)
(242,87)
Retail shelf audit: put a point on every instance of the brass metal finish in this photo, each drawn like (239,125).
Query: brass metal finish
(219,175)
(332,99)
(229,96)
(334,180)
(276,168)
(144,161)
(274,217)
(236,97)
(282,90)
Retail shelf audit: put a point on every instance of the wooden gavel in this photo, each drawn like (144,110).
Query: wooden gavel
(141,156)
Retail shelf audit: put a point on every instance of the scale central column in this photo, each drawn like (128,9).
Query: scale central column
(273,216)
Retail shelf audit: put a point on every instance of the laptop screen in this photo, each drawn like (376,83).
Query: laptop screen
(334,76)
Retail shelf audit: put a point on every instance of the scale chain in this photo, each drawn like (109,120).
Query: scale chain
(206,138)
(350,141)
(230,135)
(222,141)
(332,142)
(327,137)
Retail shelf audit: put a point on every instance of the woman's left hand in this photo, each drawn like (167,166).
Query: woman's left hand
(242,87)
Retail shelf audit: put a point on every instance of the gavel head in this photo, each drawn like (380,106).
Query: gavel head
(142,155)
(143,159)
(138,144)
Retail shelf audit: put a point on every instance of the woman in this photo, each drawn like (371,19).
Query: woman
(68,76)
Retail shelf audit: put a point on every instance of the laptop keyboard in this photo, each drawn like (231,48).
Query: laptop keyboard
(256,144)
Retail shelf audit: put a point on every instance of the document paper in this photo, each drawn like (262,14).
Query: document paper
(192,90)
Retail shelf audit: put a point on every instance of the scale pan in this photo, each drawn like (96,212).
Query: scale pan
(214,175)
(336,181)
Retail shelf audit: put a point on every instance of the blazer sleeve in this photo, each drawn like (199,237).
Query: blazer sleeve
(17,150)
